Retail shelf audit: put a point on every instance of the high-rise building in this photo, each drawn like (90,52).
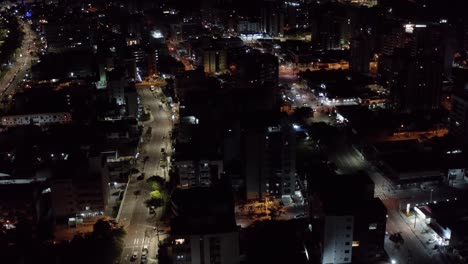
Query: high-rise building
(214,61)
(414,57)
(281,161)
(360,54)
(253,160)
(416,82)
(273,18)
(255,69)
(246,26)
(328,32)
(337,238)
(83,193)
(146,60)
(459,116)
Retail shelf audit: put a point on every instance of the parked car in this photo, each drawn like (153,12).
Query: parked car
(141,177)
(145,249)
(300,216)
(134,256)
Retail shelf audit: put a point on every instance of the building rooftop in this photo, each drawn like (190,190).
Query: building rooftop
(355,187)
(203,210)
(446,212)
(413,161)
(343,207)
(399,146)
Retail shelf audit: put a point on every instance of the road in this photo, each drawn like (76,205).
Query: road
(300,95)
(173,50)
(17,72)
(142,227)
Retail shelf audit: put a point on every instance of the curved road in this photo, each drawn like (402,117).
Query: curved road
(17,71)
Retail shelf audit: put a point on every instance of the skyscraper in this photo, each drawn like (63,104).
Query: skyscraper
(272,18)
(360,54)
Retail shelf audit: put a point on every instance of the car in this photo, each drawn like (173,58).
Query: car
(144,250)
(134,256)
(300,216)
(144,259)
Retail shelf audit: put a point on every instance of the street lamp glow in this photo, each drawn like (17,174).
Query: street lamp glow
(156,34)
(393,261)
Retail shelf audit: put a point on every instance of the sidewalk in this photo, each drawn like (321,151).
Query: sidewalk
(114,195)
(422,232)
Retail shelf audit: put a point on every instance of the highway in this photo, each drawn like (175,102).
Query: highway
(142,227)
(18,70)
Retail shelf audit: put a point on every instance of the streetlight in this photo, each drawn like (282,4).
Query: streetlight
(393,261)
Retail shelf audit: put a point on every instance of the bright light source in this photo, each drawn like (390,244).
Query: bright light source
(409,28)
(393,261)
(156,34)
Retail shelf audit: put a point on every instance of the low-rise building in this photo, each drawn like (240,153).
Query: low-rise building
(36,119)
(446,218)
(26,200)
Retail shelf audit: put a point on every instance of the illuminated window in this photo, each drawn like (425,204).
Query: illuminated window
(372,226)
(355,244)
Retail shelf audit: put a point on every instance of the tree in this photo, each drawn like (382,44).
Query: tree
(102,228)
(156,178)
(155,194)
(104,245)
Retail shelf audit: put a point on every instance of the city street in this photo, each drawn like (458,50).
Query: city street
(22,64)
(300,95)
(142,227)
